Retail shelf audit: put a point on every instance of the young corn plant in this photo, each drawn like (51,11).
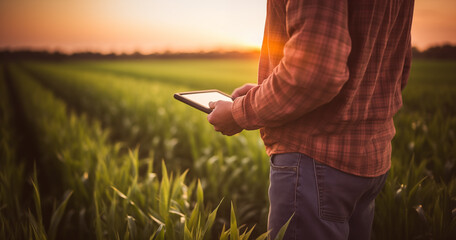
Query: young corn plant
(184,140)
(124,203)
(418,200)
(239,233)
(38,230)
(12,216)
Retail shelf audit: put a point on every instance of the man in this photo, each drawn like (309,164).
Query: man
(330,79)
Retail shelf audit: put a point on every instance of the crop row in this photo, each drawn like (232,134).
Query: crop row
(418,200)
(11,171)
(104,194)
(144,114)
(222,74)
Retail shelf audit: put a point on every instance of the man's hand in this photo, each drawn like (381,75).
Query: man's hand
(222,119)
(241,91)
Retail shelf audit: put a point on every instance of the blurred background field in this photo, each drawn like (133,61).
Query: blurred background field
(99,149)
(93,145)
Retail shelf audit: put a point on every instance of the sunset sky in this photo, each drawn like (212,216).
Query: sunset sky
(169,25)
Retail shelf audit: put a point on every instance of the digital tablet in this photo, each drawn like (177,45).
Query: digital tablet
(200,99)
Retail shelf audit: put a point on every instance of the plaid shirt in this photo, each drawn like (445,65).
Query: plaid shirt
(330,79)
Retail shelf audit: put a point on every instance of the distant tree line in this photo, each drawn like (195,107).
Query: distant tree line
(446,51)
(58,56)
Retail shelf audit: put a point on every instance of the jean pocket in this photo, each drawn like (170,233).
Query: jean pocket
(283,191)
(285,162)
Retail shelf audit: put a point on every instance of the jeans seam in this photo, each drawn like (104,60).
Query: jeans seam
(316,187)
(296,194)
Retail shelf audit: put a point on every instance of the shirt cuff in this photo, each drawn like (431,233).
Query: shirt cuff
(240,114)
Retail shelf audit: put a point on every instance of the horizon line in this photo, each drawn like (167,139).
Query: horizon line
(167,51)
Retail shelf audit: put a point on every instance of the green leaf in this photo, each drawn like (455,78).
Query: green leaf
(177,184)
(160,233)
(57,216)
(187,234)
(164,194)
(155,217)
(37,229)
(36,198)
(233,225)
(263,236)
(283,229)
(132,227)
(193,221)
(415,188)
(140,215)
(134,160)
(224,234)
(200,195)
(176,212)
(120,193)
(211,219)
(247,235)
(98,230)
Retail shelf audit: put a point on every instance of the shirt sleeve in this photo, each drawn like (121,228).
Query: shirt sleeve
(312,71)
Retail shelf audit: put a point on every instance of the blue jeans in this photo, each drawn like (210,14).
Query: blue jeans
(327,203)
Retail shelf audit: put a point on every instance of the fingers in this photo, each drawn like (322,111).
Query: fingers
(229,132)
(210,118)
(241,91)
(212,105)
(222,119)
(236,93)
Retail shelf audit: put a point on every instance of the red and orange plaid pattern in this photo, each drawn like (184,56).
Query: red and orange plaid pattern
(330,79)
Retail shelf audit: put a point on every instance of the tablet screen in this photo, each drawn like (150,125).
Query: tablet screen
(204,98)
(200,99)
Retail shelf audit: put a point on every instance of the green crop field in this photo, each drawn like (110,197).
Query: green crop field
(101,150)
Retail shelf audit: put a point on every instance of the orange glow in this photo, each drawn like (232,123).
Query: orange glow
(178,25)
(434,23)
